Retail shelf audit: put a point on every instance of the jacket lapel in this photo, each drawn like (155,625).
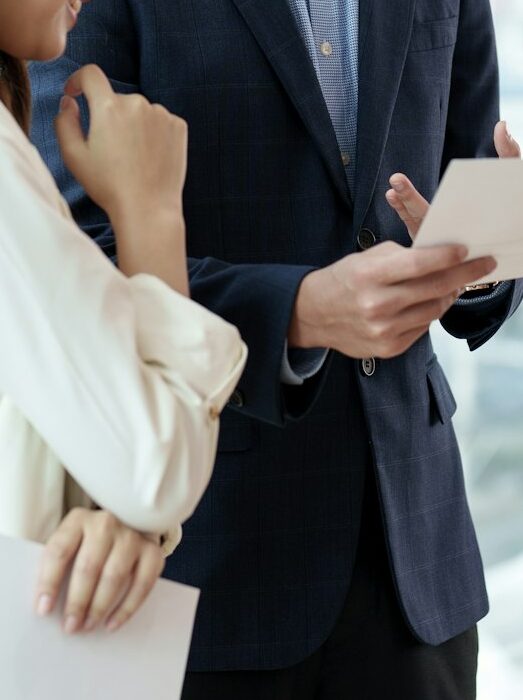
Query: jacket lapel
(385,29)
(273,25)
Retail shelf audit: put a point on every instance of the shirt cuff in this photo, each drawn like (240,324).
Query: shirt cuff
(298,365)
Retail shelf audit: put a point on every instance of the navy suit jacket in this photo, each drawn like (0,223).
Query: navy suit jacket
(272,543)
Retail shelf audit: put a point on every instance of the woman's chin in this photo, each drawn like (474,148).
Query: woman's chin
(51,50)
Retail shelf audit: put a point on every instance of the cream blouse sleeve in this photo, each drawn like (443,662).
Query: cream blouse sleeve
(122,377)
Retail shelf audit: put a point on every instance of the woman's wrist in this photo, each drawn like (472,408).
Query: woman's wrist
(129,219)
(152,242)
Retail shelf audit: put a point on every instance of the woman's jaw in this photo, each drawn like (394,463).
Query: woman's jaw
(37,30)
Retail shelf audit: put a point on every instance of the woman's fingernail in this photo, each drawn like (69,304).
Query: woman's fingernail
(112,625)
(90,624)
(65,103)
(71,624)
(509,135)
(45,604)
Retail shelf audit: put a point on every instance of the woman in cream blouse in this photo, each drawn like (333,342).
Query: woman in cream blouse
(111,381)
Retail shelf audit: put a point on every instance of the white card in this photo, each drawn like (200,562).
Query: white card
(144,660)
(480,204)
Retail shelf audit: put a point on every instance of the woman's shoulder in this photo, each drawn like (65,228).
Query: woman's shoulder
(13,140)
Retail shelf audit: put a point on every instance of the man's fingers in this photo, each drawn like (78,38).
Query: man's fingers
(90,81)
(149,568)
(444,283)
(389,263)
(422,315)
(407,340)
(86,572)
(58,554)
(400,343)
(113,581)
(506,145)
(413,225)
(470,272)
(415,204)
(396,203)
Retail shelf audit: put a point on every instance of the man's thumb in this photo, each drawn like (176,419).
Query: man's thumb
(506,146)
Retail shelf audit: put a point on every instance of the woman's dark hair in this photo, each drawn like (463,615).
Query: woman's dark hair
(15,91)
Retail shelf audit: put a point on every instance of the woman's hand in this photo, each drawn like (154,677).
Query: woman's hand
(409,204)
(114,569)
(135,154)
(132,163)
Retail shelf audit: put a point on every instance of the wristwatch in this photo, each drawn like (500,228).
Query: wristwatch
(473,288)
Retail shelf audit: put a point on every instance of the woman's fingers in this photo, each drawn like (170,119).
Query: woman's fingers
(58,555)
(410,205)
(90,81)
(69,129)
(148,569)
(506,145)
(96,546)
(114,570)
(115,578)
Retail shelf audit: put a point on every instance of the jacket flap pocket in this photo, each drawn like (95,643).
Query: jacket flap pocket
(434,35)
(440,393)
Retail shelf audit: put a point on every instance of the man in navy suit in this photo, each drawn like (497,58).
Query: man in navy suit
(334,547)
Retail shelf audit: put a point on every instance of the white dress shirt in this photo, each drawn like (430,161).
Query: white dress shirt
(119,379)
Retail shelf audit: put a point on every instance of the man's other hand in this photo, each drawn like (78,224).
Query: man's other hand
(409,204)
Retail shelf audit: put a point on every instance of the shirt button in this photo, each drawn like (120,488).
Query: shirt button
(345,159)
(214,413)
(366,239)
(368,366)
(326,48)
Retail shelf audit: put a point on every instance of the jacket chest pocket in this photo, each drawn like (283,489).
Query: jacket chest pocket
(434,34)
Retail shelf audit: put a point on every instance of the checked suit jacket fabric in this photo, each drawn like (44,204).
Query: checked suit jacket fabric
(267,200)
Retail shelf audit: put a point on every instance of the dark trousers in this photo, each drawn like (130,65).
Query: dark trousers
(370,655)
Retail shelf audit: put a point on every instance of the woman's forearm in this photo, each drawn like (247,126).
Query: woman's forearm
(152,243)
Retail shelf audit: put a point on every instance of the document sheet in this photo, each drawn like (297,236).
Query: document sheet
(145,660)
(480,204)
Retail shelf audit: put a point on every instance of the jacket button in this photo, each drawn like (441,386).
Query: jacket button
(366,239)
(237,399)
(368,366)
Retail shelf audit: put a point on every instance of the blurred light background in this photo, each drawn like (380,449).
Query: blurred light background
(488,385)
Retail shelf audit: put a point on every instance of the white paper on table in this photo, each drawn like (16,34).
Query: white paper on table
(145,660)
(480,204)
